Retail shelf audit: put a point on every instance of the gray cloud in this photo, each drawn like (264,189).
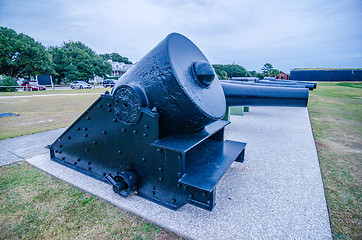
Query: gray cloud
(309,33)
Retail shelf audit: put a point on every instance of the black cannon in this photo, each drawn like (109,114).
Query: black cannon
(158,134)
(254,94)
(309,85)
(313,85)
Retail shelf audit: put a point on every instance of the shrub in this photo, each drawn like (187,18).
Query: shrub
(7,81)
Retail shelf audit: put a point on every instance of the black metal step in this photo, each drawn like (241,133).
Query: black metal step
(185,142)
(208,162)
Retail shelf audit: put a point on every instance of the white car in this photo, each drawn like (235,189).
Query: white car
(79,84)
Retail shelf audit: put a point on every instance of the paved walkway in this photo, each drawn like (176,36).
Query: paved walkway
(277,193)
(21,148)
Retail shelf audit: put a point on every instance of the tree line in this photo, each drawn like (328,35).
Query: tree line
(233,70)
(23,57)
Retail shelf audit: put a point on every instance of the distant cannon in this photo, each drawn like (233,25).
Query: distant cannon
(158,134)
(309,85)
(239,94)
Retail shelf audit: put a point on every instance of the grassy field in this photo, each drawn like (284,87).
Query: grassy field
(36,205)
(43,110)
(336,116)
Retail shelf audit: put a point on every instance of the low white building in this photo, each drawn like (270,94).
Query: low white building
(118,69)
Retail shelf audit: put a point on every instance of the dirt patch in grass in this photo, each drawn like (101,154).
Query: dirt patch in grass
(336,117)
(34,205)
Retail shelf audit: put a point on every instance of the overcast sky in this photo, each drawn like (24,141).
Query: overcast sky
(286,33)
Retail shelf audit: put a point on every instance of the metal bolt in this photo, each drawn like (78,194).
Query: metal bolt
(204,72)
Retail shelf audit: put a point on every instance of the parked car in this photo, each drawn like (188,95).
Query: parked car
(108,83)
(79,84)
(32,86)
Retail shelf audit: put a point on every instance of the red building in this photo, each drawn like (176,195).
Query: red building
(283,75)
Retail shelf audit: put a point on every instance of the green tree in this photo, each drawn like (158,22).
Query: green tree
(265,69)
(274,73)
(232,70)
(115,57)
(76,61)
(21,55)
(223,75)
(7,81)
(259,75)
(252,73)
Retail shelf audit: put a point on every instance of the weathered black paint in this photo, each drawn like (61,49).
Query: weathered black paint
(158,133)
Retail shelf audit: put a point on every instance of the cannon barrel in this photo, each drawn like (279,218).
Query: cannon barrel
(262,84)
(253,95)
(314,84)
(310,86)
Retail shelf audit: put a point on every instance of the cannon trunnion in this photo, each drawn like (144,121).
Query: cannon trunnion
(158,134)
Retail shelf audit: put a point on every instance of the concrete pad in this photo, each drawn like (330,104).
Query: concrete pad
(277,193)
(20,148)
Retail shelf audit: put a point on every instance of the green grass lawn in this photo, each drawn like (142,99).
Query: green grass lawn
(35,205)
(336,116)
(43,110)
